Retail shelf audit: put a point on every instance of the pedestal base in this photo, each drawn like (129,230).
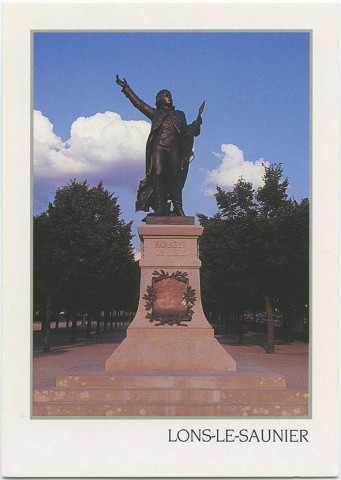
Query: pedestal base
(164,353)
(173,250)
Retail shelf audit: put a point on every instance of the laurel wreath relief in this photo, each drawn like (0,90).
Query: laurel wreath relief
(188,298)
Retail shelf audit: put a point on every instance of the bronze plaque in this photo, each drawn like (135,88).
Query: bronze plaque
(169,299)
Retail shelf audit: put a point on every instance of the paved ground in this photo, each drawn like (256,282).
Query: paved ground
(89,354)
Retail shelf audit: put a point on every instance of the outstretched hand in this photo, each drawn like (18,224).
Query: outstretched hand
(121,83)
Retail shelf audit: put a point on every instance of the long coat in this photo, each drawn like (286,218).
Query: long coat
(145,195)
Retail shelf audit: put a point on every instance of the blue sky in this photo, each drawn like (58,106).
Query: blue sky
(256,87)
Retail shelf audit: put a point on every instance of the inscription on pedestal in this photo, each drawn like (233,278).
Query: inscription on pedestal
(170,248)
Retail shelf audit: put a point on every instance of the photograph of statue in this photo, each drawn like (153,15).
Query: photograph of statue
(165,294)
(168,152)
(180,269)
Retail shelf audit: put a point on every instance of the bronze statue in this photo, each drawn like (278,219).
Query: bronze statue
(168,153)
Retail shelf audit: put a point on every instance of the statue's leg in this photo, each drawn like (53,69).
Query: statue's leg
(174,163)
(160,179)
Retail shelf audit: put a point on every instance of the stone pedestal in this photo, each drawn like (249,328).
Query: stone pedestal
(171,248)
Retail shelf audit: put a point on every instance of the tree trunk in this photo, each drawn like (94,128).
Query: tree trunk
(105,326)
(73,328)
(270,348)
(224,320)
(88,326)
(285,330)
(47,324)
(98,327)
(240,317)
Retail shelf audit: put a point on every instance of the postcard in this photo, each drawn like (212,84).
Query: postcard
(170,240)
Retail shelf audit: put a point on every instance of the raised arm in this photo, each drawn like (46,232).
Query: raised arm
(135,100)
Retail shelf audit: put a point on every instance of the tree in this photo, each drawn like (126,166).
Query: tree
(272,196)
(227,253)
(256,249)
(45,274)
(272,258)
(293,229)
(90,251)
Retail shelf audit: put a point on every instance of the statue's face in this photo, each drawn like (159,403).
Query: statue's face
(167,99)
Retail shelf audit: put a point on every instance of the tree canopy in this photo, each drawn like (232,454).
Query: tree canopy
(256,248)
(83,256)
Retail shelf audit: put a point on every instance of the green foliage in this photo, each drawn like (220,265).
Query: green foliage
(82,250)
(256,245)
(226,249)
(272,195)
(239,202)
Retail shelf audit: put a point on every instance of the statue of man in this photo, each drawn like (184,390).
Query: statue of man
(168,152)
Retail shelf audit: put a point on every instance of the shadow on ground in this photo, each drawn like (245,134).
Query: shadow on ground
(60,339)
(251,339)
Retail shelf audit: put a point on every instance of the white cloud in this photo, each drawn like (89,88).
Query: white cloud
(232,167)
(100,147)
(46,143)
(137,255)
(210,192)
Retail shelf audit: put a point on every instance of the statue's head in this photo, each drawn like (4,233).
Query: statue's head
(164,98)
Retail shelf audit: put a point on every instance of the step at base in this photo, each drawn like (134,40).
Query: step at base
(178,410)
(249,391)
(244,378)
(170,395)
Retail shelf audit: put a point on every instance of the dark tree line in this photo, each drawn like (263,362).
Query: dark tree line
(255,251)
(82,256)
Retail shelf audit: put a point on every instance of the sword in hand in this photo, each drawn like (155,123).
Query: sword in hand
(201,109)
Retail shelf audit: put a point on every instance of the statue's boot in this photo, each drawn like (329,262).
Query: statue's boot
(177,207)
(161,208)
(177,201)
